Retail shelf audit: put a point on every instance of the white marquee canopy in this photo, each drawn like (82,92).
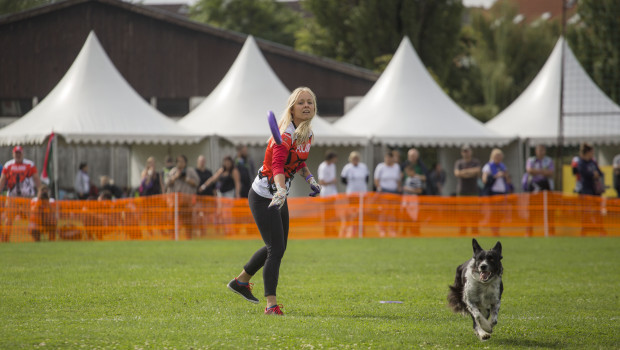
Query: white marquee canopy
(237,108)
(589,115)
(94,104)
(407,107)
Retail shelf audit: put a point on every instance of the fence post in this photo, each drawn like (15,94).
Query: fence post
(176,216)
(545,214)
(360,227)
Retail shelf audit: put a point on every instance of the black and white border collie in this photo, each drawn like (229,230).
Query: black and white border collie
(478,289)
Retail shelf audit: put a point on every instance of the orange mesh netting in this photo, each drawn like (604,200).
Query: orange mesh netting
(178,216)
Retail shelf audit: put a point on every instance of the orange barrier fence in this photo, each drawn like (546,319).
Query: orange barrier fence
(180,217)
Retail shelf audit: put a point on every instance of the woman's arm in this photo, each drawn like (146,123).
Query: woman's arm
(212,179)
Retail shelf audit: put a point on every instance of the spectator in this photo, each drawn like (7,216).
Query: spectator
(616,165)
(327,175)
(355,174)
(246,169)
(496,181)
(437,179)
(411,189)
(467,172)
(413,157)
(42,218)
(168,165)
(413,183)
(539,172)
(150,180)
(590,176)
(107,184)
(204,174)
(81,185)
(495,176)
(226,179)
(388,176)
(591,182)
(183,179)
(21,178)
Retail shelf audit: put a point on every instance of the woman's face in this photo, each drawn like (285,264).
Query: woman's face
(355,160)
(228,164)
(304,108)
(497,157)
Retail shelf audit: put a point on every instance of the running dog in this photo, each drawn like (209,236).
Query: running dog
(478,289)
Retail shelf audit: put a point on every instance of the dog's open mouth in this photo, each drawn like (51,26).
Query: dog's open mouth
(485,275)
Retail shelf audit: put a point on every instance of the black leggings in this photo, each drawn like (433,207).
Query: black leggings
(273,226)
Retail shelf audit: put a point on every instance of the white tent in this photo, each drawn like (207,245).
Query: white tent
(94,104)
(589,115)
(237,108)
(407,107)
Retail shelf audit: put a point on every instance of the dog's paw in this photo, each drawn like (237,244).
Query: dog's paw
(482,335)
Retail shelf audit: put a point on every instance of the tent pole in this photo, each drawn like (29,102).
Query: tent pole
(55,165)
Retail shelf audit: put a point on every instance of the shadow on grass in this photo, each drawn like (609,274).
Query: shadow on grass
(527,343)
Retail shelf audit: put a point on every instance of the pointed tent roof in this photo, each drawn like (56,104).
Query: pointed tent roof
(237,107)
(589,115)
(406,106)
(92,103)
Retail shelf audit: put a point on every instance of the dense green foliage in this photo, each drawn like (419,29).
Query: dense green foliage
(561,293)
(267,19)
(596,43)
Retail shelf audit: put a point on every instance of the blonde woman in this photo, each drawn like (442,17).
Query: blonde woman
(495,175)
(267,198)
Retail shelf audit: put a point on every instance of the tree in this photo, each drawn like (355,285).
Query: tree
(267,19)
(504,56)
(595,40)
(367,32)
(13,6)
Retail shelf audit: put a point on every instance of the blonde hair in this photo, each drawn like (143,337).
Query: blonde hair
(494,152)
(303,130)
(353,155)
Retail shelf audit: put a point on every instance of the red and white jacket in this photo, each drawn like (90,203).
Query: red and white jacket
(19,178)
(286,158)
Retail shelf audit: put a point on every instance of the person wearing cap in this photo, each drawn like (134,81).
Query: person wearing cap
(21,178)
(467,172)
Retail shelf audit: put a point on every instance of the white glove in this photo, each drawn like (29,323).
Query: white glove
(279,197)
(314,186)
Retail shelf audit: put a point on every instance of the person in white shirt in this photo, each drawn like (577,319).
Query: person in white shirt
(327,175)
(355,174)
(388,177)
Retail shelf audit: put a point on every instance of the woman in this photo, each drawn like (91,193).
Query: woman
(388,176)
(355,174)
(150,182)
(496,181)
(495,176)
(267,198)
(227,180)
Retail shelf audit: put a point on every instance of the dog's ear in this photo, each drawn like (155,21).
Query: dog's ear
(498,249)
(477,247)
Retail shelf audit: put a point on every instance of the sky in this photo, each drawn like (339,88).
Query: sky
(477,3)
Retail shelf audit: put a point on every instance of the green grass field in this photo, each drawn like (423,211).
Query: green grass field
(559,293)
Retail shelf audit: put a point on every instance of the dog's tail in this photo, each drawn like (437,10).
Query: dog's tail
(455,296)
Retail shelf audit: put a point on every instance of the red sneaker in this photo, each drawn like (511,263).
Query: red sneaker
(276,310)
